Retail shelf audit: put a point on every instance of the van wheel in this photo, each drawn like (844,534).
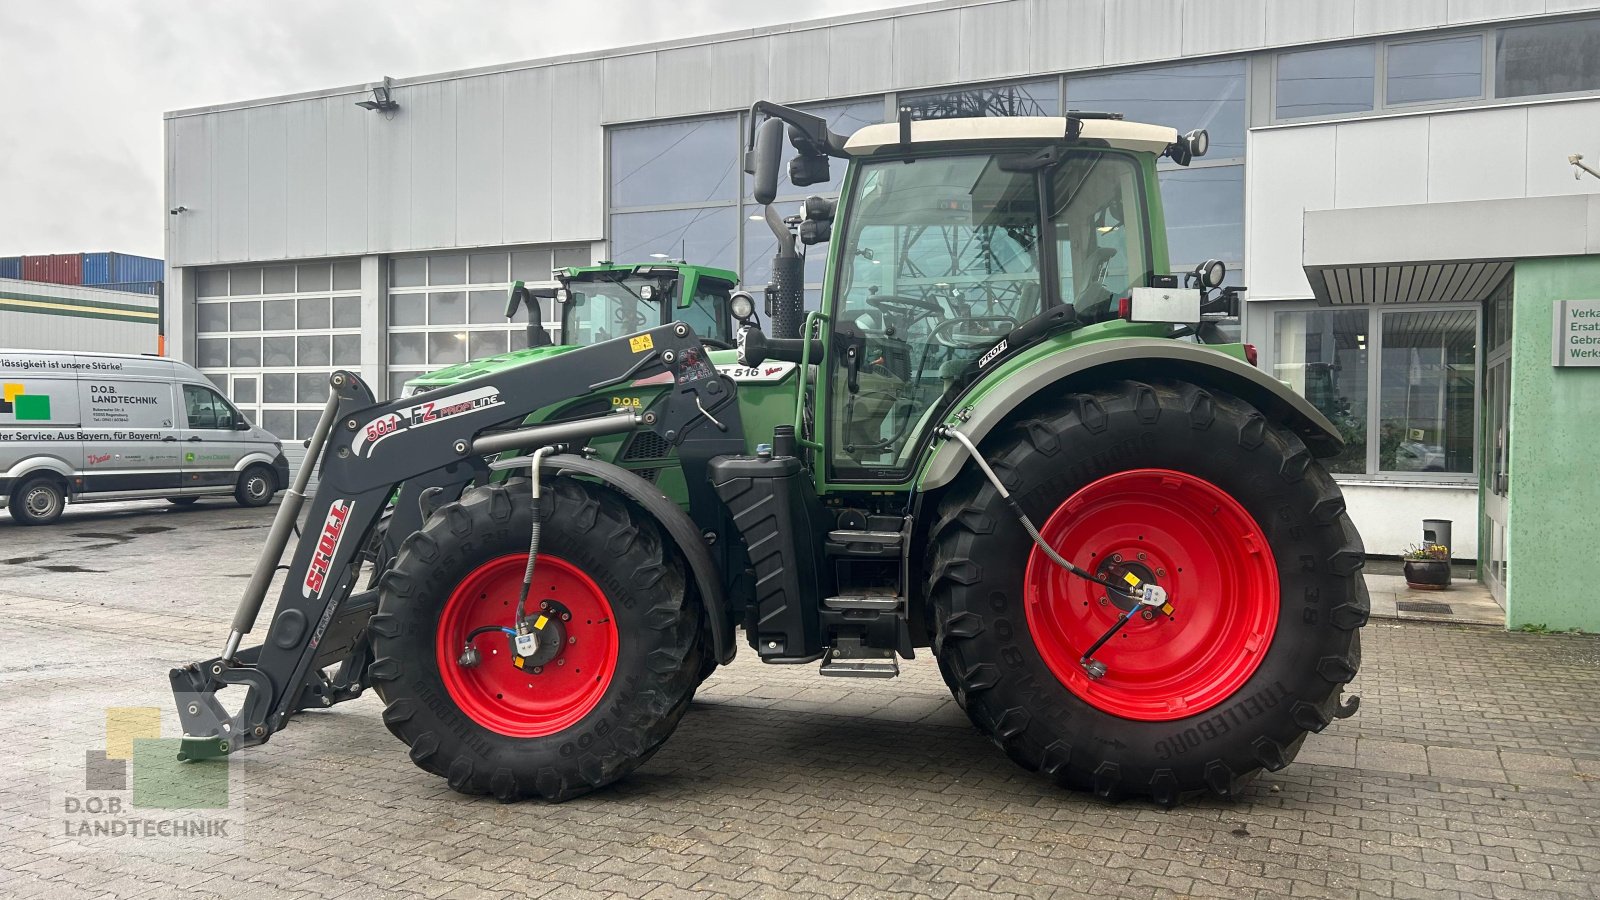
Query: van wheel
(256,487)
(183,501)
(39,501)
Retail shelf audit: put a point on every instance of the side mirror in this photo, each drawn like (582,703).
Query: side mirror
(240,424)
(517,296)
(763,160)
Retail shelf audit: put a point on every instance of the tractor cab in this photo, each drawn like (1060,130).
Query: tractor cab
(604,301)
(609,300)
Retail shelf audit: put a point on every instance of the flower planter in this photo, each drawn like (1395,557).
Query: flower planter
(1428,574)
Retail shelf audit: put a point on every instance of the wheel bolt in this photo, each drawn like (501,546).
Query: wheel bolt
(1116,557)
(1141,557)
(1104,600)
(538,669)
(1161,573)
(572,640)
(566,616)
(561,662)
(1148,615)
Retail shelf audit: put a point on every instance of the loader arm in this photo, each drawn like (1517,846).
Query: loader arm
(430,446)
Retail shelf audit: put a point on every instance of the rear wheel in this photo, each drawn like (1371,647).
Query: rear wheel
(38,501)
(1168,484)
(256,486)
(617,662)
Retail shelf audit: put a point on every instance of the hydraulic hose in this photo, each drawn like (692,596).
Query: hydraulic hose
(533,538)
(1022,517)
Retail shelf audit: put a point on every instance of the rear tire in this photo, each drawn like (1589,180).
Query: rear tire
(256,486)
(565,737)
(38,501)
(1194,702)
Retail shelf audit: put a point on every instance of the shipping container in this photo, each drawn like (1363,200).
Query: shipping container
(10,267)
(56,268)
(120,268)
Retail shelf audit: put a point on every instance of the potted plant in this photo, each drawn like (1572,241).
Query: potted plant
(1427,567)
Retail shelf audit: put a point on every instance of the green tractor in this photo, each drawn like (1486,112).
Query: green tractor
(1010,437)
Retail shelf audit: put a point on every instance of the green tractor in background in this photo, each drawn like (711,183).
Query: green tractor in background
(1010,436)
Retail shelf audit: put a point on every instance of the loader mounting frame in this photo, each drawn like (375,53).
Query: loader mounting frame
(431,447)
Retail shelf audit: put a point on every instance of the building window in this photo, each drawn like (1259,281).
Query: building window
(1433,71)
(272,335)
(448,308)
(1322,354)
(1202,95)
(1325,82)
(1407,376)
(1428,389)
(1034,98)
(1553,58)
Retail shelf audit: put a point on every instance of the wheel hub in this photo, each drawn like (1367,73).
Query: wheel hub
(1191,538)
(553,686)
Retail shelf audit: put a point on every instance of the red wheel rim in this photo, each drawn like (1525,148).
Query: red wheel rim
(519,702)
(1185,534)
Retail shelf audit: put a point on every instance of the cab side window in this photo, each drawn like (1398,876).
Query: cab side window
(205,408)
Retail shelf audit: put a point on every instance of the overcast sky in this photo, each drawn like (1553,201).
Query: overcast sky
(83,84)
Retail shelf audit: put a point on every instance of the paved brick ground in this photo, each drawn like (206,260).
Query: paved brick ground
(1473,768)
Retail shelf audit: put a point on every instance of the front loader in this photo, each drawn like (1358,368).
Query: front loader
(1009,436)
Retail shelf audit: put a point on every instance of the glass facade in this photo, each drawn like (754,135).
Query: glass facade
(1400,383)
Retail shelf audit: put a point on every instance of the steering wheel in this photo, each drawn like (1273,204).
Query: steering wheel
(621,318)
(906,309)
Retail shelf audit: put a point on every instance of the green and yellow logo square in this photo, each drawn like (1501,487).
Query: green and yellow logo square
(25,406)
(136,752)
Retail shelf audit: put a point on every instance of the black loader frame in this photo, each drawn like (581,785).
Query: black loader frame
(430,447)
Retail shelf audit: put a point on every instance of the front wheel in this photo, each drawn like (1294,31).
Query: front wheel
(256,486)
(1166,484)
(38,501)
(616,663)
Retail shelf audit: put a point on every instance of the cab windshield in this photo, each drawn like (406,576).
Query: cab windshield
(941,257)
(600,309)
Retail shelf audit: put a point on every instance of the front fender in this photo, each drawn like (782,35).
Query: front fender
(1128,358)
(679,527)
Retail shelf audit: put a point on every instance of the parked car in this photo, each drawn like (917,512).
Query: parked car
(85,427)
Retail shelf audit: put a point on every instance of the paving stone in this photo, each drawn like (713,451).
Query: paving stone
(1467,772)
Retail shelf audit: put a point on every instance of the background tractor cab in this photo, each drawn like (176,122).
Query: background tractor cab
(600,302)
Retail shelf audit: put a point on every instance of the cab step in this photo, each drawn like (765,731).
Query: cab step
(872,602)
(849,659)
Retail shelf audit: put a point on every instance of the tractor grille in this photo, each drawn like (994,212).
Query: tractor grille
(647,445)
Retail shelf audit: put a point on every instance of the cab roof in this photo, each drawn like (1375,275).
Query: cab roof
(1117,133)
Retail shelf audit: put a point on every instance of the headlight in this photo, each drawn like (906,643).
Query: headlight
(742,305)
(647,292)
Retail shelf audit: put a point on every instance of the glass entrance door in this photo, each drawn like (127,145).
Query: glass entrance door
(1496,480)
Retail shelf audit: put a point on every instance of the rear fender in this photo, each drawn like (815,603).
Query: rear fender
(1127,358)
(678,526)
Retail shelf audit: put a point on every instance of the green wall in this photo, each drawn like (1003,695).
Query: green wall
(1553,532)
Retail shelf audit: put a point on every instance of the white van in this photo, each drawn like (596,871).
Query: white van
(105,426)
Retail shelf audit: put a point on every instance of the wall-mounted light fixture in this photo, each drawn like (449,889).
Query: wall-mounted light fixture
(177,209)
(382,99)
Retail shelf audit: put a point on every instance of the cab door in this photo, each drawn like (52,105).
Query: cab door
(211,440)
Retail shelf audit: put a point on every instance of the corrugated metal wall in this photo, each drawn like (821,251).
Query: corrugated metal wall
(120,268)
(36,316)
(515,155)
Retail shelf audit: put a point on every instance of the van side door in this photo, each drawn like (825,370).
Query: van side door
(130,438)
(212,443)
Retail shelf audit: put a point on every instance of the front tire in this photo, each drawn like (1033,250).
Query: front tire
(627,661)
(38,501)
(256,486)
(1187,488)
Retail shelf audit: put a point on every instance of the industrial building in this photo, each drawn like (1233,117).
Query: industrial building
(1391,180)
(41,316)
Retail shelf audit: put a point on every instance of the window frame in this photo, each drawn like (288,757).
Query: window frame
(1488,94)
(1266,327)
